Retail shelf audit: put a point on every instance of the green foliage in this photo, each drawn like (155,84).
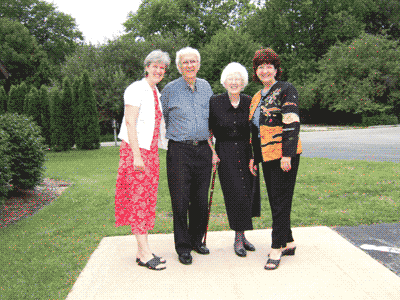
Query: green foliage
(382,16)
(192,19)
(68,110)
(16,99)
(55,31)
(34,107)
(307,28)
(113,66)
(25,150)
(3,100)
(379,119)
(226,46)
(5,165)
(58,121)
(46,115)
(75,107)
(359,77)
(25,59)
(88,128)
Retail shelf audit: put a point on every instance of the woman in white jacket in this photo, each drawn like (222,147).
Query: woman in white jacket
(138,172)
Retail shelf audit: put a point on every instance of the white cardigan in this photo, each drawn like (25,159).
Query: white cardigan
(141,95)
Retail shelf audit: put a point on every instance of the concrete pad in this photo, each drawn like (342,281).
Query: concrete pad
(326,266)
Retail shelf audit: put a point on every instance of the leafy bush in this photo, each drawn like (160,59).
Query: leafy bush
(24,149)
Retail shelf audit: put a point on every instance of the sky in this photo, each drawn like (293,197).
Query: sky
(98,20)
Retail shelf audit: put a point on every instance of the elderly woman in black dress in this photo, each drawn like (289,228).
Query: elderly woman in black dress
(229,124)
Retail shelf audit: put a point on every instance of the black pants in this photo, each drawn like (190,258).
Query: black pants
(280,188)
(189,170)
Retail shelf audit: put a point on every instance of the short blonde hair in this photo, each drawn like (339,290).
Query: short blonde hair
(185,51)
(233,68)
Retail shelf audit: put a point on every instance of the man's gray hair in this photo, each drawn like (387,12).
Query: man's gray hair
(185,51)
(157,56)
(233,68)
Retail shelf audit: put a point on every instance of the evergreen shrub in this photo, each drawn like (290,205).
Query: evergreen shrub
(3,100)
(24,148)
(88,129)
(45,108)
(5,165)
(379,119)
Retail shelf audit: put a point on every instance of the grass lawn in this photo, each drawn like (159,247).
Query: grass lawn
(43,255)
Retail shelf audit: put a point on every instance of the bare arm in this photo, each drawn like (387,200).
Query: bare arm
(131,116)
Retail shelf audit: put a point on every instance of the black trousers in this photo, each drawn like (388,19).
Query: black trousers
(280,188)
(189,170)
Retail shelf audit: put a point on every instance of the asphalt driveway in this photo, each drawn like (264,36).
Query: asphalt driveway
(374,144)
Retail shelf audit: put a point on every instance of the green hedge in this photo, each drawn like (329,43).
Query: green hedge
(23,148)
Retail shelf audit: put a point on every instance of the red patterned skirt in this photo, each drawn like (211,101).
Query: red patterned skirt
(136,192)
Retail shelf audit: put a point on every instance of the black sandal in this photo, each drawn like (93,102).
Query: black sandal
(272,262)
(162,261)
(152,264)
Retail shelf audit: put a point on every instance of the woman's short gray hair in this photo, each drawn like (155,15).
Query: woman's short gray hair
(233,68)
(157,56)
(185,51)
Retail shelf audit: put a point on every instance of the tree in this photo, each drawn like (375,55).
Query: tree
(67,101)
(16,98)
(59,136)
(34,107)
(228,45)
(382,16)
(360,77)
(307,28)
(25,59)
(75,106)
(193,19)
(88,122)
(3,101)
(55,31)
(113,66)
(46,115)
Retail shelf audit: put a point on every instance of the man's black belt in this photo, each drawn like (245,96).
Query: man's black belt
(194,143)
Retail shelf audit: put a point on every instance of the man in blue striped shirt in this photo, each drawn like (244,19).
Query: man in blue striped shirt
(185,103)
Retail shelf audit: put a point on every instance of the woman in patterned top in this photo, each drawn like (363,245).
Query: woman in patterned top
(274,113)
(138,172)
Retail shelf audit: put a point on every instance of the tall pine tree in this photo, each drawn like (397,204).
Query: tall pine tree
(34,107)
(88,128)
(59,136)
(12,105)
(3,100)
(75,106)
(46,115)
(67,101)
(22,92)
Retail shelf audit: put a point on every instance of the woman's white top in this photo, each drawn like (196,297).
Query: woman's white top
(141,95)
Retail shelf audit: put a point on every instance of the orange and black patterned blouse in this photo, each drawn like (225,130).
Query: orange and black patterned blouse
(279,123)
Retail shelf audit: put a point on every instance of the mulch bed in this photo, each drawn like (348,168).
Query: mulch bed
(24,203)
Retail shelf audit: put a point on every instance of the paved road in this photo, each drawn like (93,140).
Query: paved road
(380,241)
(374,144)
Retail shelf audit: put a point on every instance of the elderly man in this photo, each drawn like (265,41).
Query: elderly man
(185,103)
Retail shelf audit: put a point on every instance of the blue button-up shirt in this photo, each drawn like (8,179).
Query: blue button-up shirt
(186,111)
